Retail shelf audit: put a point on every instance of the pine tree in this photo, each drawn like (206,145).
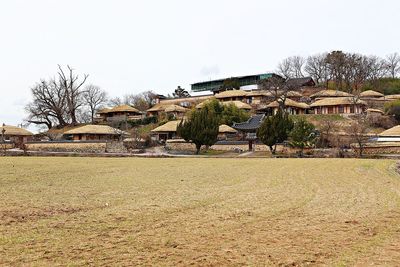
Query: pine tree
(275,129)
(302,135)
(201,128)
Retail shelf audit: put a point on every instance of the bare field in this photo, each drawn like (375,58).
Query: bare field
(207,212)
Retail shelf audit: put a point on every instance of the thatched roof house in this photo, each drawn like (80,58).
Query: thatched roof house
(238,104)
(371,94)
(293,107)
(15,134)
(226,129)
(338,105)
(374,111)
(118,113)
(157,109)
(95,132)
(330,93)
(390,135)
(167,130)
(14,131)
(231,95)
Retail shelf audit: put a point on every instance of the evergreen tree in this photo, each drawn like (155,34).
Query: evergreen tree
(201,128)
(302,135)
(275,129)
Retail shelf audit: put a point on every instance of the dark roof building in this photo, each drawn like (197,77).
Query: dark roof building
(300,82)
(251,125)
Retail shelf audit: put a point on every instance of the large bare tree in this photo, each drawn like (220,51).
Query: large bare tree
(56,102)
(315,66)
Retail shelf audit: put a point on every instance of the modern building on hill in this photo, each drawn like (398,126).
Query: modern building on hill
(338,105)
(95,132)
(12,134)
(215,85)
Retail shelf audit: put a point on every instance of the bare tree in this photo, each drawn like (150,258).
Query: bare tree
(278,89)
(315,66)
(393,64)
(56,101)
(292,67)
(94,98)
(72,86)
(358,130)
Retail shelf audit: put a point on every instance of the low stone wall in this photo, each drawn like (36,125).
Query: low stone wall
(182,145)
(6,145)
(379,148)
(70,146)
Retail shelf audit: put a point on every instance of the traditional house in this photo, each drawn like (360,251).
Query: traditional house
(291,106)
(297,83)
(370,94)
(329,93)
(95,132)
(118,114)
(236,103)
(258,97)
(232,95)
(338,105)
(175,110)
(375,111)
(186,102)
(166,131)
(225,132)
(17,136)
(390,135)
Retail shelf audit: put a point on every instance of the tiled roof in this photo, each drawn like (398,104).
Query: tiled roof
(251,124)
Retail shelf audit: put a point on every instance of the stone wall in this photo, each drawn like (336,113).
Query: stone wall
(71,146)
(379,148)
(182,145)
(6,145)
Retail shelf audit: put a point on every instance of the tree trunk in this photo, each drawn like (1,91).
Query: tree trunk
(198,146)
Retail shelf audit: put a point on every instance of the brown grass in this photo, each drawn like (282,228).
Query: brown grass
(207,212)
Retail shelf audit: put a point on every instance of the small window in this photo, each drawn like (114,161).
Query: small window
(341,109)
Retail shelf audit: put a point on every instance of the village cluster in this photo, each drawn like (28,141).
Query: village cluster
(256,96)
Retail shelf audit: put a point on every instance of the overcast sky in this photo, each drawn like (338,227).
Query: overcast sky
(129,46)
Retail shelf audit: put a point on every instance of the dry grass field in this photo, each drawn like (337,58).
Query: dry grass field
(202,212)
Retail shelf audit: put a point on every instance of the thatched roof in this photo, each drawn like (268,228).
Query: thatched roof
(371,93)
(374,110)
(238,104)
(289,103)
(123,108)
(14,131)
(259,93)
(390,97)
(336,101)
(231,93)
(293,94)
(226,129)
(170,126)
(103,111)
(96,129)
(167,108)
(157,107)
(395,131)
(175,108)
(330,93)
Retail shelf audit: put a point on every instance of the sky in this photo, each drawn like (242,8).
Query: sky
(129,46)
